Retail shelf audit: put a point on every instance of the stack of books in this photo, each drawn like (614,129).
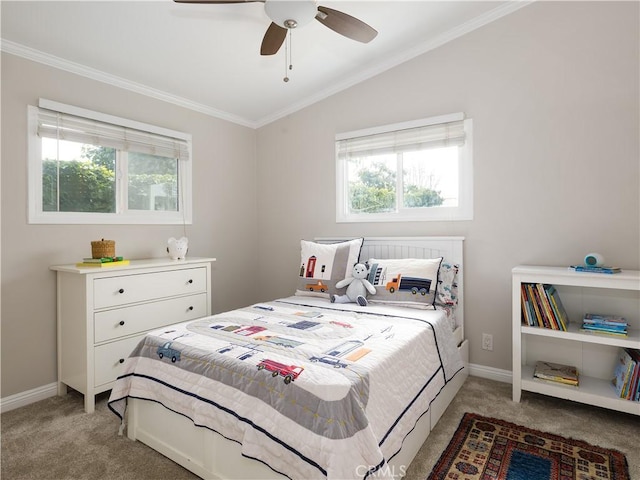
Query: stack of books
(556,372)
(606,324)
(542,307)
(626,380)
(102,262)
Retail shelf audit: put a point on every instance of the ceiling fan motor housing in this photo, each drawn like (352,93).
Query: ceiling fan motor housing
(292,13)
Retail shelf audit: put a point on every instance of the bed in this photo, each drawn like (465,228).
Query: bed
(302,387)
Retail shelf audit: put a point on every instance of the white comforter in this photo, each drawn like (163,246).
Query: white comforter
(312,389)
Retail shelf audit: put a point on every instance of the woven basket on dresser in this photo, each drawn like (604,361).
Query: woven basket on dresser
(103,248)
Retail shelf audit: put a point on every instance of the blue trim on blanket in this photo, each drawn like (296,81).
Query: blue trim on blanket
(393,425)
(226,410)
(440,369)
(376,468)
(435,341)
(424,413)
(195,424)
(373,469)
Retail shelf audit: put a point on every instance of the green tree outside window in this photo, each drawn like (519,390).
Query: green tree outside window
(374,191)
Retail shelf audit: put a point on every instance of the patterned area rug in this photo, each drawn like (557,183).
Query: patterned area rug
(490,449)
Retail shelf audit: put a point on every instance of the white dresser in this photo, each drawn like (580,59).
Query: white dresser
(104,312)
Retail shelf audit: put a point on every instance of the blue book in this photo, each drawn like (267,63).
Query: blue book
(585,268)
(602,328)
(634,393)
(622,371)
(596,318)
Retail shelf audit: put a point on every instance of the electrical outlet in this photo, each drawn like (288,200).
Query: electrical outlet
(487,342)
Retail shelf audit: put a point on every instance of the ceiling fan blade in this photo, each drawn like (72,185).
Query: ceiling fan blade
(218,1)
(273,39)
(346,25)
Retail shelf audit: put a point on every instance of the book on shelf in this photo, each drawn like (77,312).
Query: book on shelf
(535,301)
(527,318)
(595,331)
(607,324)
(542,307)
(113,263)
(556,372)
(634,393)
(558,307)
(545,307)
(605,328)
(589,269)
(626,375)
(598,318)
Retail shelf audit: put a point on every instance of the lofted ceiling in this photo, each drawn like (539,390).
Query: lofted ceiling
(207,57)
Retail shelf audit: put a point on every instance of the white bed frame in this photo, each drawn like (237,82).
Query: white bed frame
(211,456)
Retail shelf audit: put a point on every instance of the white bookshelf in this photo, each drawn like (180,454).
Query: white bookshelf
(594,355)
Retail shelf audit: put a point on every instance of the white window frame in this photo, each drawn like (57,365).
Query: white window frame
(464,210)
(122,216)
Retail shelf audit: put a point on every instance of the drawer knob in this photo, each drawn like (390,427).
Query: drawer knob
(121,360)
(190,281)
(190,308)
(121,290)
(121,322)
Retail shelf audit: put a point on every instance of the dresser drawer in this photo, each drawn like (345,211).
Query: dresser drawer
(124,321)
(110,357)
(122,290)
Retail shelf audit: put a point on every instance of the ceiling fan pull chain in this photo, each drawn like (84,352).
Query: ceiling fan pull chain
(287,48)
(290,49)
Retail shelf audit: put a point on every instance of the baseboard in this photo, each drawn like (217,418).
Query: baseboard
(25,398)
(490,373)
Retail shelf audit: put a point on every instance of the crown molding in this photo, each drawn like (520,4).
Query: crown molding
(78,69)
(100,76)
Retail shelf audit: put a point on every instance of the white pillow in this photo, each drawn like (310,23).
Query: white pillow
(322,265)
(406,282)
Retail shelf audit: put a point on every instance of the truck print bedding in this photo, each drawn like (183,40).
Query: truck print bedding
(333,399)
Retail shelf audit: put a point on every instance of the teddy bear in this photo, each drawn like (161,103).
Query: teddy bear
(357,287)
(177,249)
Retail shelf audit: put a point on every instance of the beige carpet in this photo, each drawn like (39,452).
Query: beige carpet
(54,439)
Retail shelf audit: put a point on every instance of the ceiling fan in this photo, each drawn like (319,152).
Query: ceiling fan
(286,15)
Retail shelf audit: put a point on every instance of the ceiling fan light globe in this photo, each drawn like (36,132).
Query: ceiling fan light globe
(292,13)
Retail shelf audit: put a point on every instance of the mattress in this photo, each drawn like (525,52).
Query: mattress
(310,388)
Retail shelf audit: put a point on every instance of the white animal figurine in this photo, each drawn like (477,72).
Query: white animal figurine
(177,249)
(357,287)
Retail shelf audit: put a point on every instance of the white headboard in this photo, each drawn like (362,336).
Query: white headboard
(416,247)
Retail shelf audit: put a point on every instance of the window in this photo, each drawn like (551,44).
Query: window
(413,171)
(88,167)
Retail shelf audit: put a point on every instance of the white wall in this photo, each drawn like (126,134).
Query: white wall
(224,217)
(553,93)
